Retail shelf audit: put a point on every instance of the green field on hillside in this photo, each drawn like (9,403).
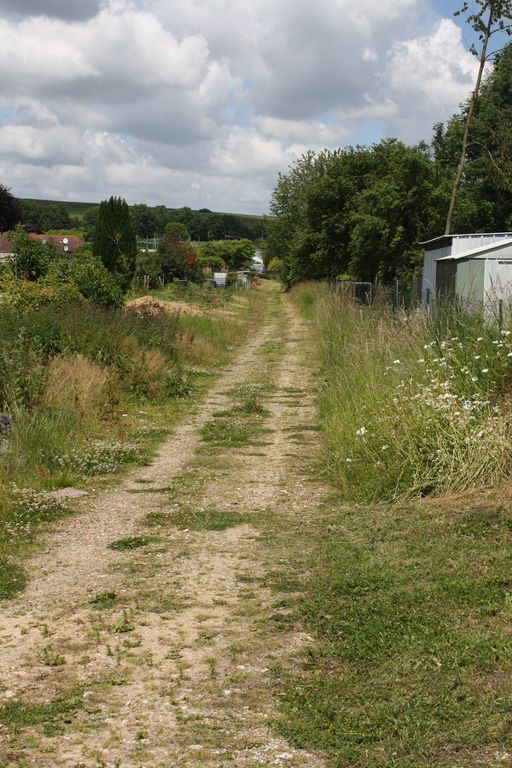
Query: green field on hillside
(78,209)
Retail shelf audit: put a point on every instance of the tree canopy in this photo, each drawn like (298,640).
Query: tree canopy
(362,211)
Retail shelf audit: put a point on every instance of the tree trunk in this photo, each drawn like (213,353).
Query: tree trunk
(469,118)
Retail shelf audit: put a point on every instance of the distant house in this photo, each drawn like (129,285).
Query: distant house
(5,247)
(63,243)
(66,244)
(476,269)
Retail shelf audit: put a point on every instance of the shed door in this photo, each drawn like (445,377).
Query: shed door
(445,279)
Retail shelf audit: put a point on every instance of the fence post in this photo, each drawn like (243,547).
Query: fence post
(500,313)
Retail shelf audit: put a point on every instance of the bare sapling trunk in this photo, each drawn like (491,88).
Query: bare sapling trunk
(467,127)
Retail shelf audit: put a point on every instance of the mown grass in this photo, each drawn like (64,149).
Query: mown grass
(90,392)
(411,609)
(411,407)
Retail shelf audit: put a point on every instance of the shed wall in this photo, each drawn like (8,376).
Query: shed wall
(469,280)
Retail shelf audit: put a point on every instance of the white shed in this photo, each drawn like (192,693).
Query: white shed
(475,268)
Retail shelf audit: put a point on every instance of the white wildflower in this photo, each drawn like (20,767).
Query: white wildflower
(361,431)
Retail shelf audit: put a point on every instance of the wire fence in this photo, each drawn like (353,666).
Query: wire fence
(401,295)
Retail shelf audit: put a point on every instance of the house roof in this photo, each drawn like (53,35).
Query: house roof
(63,243)
(482,249)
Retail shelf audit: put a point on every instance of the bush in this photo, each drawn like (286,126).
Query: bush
(25,294)
(276,266)
(148,264)
(32,257)
(94,281)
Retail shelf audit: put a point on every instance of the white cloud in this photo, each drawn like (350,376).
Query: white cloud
(435,67)
(315,134)
(203,102)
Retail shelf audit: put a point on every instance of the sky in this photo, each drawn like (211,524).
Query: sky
(204,102)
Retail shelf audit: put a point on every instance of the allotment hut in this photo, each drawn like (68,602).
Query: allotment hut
(474,269)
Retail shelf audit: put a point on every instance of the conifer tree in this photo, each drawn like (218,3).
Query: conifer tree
(114,240)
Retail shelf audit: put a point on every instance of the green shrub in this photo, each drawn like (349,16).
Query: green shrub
(25,294)
(95,282)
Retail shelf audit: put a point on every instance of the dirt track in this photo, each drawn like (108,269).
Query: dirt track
(175,667)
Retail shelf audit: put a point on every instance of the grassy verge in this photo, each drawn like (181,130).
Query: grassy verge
(411,407)
(411,609)
(408,602)
(88,393)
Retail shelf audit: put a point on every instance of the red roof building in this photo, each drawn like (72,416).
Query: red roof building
(64,243)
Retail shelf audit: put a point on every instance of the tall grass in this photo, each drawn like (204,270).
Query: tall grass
(410,406)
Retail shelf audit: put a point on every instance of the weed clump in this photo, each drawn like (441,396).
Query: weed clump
(207,519)
(131,542)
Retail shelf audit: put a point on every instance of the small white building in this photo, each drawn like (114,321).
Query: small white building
(258,265)
(476,269)
(220,279)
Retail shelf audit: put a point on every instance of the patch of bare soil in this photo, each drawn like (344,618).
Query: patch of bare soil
(160,652)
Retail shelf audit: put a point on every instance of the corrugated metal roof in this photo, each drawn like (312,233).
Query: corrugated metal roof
(476,251)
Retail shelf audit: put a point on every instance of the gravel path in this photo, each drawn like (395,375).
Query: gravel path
(163,655)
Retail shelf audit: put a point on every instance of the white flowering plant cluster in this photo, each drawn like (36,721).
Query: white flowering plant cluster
(30,507)
(409,415)
(100,457)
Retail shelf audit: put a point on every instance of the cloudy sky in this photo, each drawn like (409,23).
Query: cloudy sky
(203,102)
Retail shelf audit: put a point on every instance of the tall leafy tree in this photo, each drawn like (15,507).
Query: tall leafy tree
(358,210)
(488,18)
(114,241)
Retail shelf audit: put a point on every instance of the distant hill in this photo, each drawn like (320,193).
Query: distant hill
(78,209)
(149,221)
(73,209)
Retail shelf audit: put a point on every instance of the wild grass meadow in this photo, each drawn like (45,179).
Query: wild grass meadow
(411,406)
